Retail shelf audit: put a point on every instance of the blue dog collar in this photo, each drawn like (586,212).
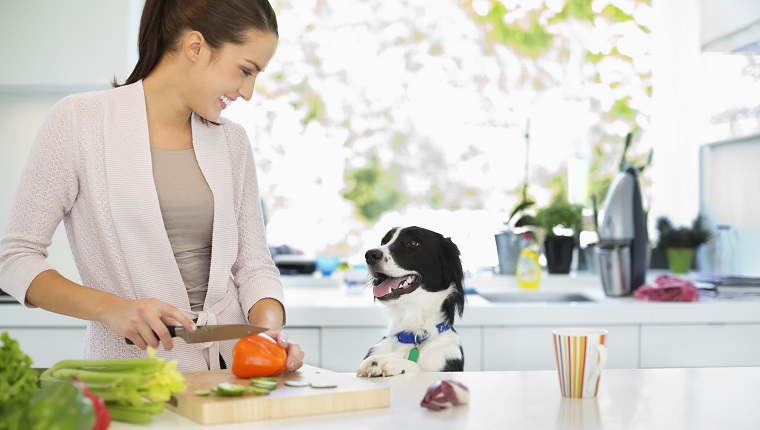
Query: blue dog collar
(416,339)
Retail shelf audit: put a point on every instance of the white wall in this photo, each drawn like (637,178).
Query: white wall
(64,43)
(678,115)
(54,48)
(727,196)
(721,17)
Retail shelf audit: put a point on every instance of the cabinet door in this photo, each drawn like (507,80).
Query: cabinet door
(50,345)
(344,348)
(308,339)
(532,348)
(700,345)
(472,345)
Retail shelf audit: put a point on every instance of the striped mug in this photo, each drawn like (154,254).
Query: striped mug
(581,357)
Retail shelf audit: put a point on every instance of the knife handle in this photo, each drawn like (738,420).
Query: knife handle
(172,333)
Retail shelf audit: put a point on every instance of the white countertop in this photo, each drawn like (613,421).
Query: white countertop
(651,399)
(325,302)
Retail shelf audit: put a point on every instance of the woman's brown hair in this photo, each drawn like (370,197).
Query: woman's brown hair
(219,21)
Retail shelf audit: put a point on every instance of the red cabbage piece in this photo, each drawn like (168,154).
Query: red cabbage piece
(443,394)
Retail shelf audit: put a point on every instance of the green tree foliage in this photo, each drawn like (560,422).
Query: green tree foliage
(372,191)
(532,41)
(541,35)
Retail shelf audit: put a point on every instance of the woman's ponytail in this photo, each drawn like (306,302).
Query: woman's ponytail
(151,42)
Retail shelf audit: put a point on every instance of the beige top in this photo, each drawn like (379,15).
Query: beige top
(187,207)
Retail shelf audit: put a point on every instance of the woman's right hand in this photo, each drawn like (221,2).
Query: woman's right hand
(144,322)
(136,320)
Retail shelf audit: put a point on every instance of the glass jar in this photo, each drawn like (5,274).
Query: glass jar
(723,251)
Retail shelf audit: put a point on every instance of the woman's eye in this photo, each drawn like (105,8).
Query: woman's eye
(413,243)
(246,72)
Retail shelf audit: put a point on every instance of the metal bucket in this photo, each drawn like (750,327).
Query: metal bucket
(508,247)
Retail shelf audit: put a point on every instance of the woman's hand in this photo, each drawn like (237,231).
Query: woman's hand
(144,322)
(295,355)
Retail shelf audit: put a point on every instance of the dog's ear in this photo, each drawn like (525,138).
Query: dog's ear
(454,273)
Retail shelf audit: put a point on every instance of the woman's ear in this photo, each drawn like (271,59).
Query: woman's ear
(193,45)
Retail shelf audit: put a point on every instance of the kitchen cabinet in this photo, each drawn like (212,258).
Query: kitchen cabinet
(700,345)
(472,346)
(343,348)
(336,330)
(308,338)
(532,348)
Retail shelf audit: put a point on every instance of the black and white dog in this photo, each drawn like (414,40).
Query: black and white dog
(417,274)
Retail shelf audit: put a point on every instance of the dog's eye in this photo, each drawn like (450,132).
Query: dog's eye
(412,243)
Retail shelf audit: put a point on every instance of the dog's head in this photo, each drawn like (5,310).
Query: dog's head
(410,258)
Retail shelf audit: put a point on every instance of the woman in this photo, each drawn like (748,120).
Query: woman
(158,194)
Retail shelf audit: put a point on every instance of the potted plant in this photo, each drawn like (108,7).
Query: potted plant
(680,242)
(511,240)
(561,221)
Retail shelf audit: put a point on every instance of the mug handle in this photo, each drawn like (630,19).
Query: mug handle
(589,386)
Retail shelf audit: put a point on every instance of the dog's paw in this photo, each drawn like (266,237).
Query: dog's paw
(386,366)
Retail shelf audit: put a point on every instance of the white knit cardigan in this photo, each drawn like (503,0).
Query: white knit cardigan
(90,166)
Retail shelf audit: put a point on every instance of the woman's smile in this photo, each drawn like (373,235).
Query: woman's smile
(225,101)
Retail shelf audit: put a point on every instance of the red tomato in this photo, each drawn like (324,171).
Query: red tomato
(258,355)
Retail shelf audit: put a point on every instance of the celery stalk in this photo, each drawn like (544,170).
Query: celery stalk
(124,384)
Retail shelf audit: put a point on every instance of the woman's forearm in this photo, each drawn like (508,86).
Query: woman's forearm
(267,313)
(53,292)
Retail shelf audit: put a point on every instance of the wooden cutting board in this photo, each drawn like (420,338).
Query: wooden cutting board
(350,394)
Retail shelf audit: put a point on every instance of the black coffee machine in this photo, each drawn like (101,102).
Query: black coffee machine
(622,249)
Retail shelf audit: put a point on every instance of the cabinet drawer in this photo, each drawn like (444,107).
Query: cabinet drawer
(700,345)
(532,348)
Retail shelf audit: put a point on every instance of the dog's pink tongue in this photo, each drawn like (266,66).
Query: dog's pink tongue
(387,285)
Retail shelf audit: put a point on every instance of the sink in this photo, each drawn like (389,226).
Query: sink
(535,297)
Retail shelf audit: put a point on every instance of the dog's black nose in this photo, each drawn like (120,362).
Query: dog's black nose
(373,255)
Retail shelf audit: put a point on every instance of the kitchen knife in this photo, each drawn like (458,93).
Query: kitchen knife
(211,333)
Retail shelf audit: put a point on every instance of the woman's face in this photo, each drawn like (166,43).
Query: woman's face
(230,73)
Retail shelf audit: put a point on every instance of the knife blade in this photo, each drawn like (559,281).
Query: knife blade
(211,333)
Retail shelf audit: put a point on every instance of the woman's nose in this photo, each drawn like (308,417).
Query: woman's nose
(246,91)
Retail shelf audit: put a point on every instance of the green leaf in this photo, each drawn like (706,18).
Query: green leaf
(580,9)
(18,383)
(531,40)
(614,14)
(620,110)
(526,221)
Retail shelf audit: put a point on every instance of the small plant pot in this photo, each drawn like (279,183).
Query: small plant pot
(679,259)
(559,253)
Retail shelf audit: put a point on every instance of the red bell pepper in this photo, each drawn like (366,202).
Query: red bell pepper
(102,416)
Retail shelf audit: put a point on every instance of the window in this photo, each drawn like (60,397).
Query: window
(386,112)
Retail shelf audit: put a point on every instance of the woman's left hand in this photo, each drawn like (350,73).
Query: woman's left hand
(295,355)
